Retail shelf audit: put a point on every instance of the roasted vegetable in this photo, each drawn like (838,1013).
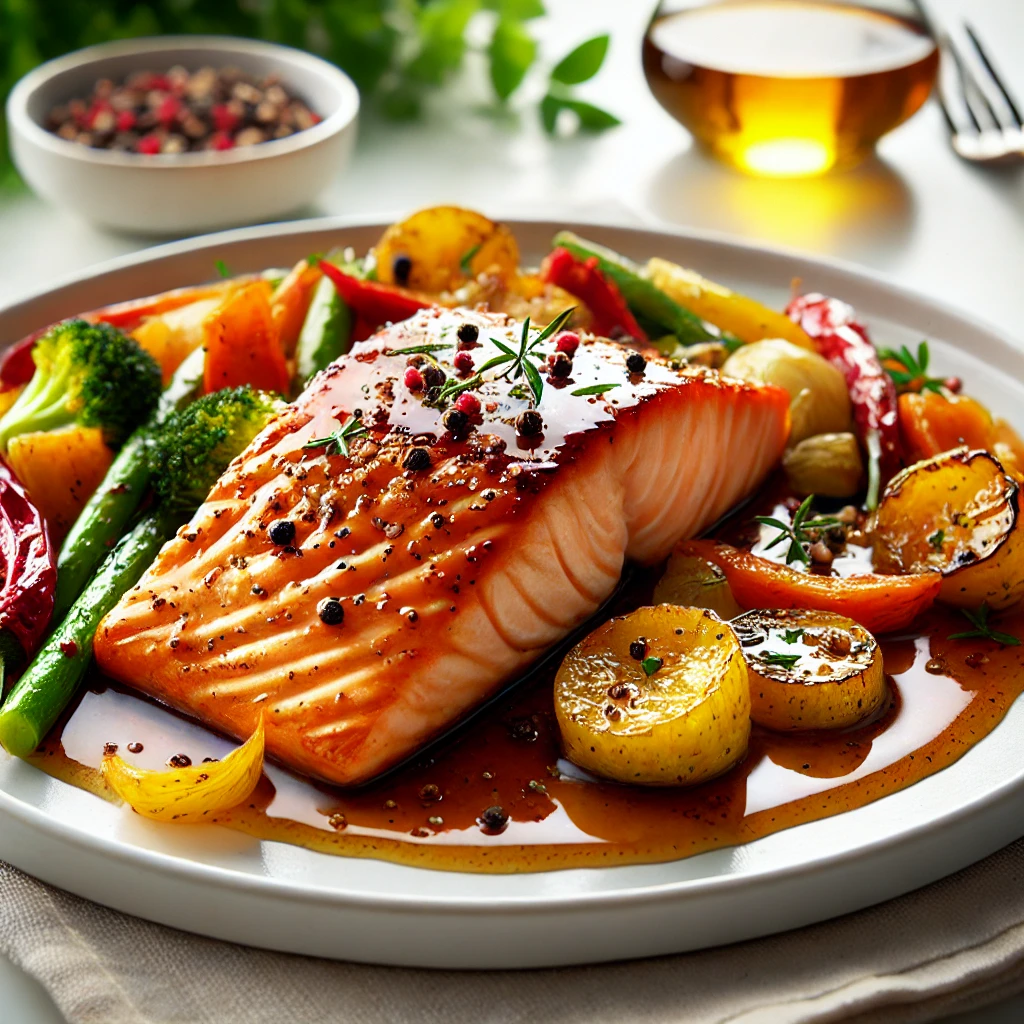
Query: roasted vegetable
(290,301)
(819,403)
(829,465)
(584,281)
(326,332)
(172,336)
(879,603)
(242,344)
(60,470)
(91,375)
(375,304)
(810,669)
(188,795)
(844,342)
(696,583)
(642,295)
(744,317)
(439,249)
(657,697)
(193,448)
(957,514)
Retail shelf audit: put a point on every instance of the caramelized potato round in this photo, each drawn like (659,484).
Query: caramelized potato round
(658,697)
(810,669)
(446,246)
(957,513)
(693,582)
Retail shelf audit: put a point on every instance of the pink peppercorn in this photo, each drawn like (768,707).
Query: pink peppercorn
(414,379)
(467,403)
(221,140)
(567,342)
(168,110)
(224,118)
(148,144)
(463,362)
(126,120)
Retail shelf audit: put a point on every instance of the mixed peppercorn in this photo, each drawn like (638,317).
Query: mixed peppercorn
(182,111)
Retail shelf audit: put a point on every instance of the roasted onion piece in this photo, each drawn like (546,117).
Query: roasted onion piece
(658,697)
(810,669)
(958,514)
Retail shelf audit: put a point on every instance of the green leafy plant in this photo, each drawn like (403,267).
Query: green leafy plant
(908,371)
(394,50)
(797,533)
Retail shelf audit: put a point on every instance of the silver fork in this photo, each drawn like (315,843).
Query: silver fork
(983,117)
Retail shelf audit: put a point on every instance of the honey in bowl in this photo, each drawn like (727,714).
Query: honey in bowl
(788,87)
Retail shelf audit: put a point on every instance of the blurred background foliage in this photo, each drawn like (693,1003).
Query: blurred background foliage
(394,50)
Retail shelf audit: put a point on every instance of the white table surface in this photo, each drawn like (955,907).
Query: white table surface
(917,212)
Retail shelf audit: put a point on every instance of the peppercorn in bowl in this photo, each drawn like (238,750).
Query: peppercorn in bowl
(179,135)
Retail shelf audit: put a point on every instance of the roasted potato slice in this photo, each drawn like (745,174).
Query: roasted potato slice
(958,514)
(445,247)
(658,697)
(693,582)
(810,669)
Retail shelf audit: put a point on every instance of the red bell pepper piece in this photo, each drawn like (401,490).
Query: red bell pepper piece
(16,364)
(29,570)
(582,278)
(375,304)
(845,343)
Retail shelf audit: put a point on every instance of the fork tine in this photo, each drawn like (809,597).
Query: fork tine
(953,97)
(996,80)
(979,109)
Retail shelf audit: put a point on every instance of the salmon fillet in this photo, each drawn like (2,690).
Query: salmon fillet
(454,568)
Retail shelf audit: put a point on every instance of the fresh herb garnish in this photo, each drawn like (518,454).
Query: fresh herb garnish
(594,389)
(936,539)
(451,388)
(792,635)
(420,349)
(340,438)
(797,531)
(911,371)
(222,268)
(781,660)
(467,258)
(650,665)
(520,364)
(982,630)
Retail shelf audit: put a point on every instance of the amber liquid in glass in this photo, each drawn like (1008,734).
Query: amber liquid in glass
(788,87)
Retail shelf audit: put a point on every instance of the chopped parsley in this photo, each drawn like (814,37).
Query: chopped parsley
(650,665)
(792,635)
(781,660)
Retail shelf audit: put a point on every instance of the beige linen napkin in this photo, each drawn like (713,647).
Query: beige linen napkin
(956,944)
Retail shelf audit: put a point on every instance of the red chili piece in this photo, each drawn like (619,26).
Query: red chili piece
(29,565)
(374,303)
(845,343)
(612,318)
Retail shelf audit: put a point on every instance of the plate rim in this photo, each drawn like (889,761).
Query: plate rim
(186,869)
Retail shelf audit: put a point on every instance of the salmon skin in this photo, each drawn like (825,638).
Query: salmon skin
(455,556)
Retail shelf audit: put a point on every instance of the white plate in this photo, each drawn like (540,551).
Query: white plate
(221,883)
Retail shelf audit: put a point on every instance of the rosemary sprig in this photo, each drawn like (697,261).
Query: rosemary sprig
(451,388)
(796,532)
(983,630)
(594,389)
(339,439)
(780,660)
(420,349)
(914,373)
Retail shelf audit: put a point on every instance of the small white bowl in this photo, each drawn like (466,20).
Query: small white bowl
(186,193)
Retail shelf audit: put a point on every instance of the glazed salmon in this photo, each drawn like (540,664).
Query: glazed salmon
(363,593)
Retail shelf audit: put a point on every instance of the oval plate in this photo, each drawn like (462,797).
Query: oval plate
(223,884)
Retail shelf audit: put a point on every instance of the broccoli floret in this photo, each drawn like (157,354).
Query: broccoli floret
(194,446)
(90,374)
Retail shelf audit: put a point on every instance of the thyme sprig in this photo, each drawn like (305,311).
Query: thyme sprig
(910,371)
(983,629)
(796,532)
(340,438)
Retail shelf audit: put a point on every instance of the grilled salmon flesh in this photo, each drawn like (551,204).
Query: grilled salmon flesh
(384,556)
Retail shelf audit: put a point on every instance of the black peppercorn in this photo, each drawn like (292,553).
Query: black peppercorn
(493,820)
(523,729)
(417,459)
(330,611)
(282,531)
(467,335)
(454,421)
(560,365)
(638,649)
(433,375)
(635,363)
(437,519)
(401,268)
(529,423)
(179,761)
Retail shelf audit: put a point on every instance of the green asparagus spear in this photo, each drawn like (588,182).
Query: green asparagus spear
(642,296)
